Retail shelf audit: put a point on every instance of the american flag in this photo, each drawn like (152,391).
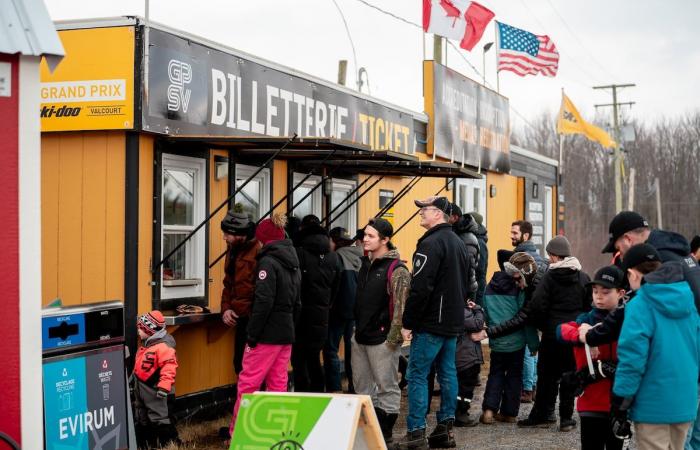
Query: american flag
(525,53)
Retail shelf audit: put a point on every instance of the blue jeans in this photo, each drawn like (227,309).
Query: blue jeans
(693,440)
(331,362)
(426,348)
(529,371)
(502,392)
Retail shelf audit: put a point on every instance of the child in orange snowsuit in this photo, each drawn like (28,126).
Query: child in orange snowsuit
(154,372)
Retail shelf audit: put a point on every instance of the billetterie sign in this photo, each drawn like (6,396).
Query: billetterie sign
(197,90)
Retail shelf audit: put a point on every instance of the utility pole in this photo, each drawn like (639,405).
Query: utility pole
(659,219)
(342,71)
(617,156)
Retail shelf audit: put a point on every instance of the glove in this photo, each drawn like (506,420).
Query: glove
(620,424)
(162,393)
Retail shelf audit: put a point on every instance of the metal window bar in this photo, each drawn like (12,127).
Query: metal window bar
(399,196)
(224,203)
(381,177)
(280,201)
(417,211)
(347,197)
(320,183)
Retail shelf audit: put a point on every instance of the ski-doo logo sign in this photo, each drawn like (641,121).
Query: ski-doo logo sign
(180,75)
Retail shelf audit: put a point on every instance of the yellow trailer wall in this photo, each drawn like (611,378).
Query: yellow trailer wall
(502,210)
(82,216)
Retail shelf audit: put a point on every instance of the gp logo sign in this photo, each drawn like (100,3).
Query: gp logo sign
(180,75)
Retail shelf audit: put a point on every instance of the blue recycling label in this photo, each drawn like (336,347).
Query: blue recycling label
(62,331)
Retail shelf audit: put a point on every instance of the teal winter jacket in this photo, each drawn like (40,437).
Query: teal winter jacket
(659,348)
(502,301)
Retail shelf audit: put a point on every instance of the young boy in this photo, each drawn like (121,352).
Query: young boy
(503,299)
(593,404)
(657,374)
(154,372)
(468,361)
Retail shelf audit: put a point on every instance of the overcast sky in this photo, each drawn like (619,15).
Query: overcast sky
(651,43)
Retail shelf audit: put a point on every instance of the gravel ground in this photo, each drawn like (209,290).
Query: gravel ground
(202,435)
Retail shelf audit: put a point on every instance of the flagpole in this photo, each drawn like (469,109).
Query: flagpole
(561,141)
(498,46)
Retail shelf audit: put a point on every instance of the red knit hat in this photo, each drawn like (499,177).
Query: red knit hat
(271,230)
(151,322)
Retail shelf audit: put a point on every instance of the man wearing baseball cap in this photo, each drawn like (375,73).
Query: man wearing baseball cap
(433,318)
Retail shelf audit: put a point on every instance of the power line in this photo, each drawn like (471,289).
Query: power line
(566,55)
(571,31)
(352,44)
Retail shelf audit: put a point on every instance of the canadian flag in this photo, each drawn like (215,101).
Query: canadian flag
(461,20)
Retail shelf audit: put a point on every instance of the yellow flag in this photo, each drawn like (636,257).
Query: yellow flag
(571,122)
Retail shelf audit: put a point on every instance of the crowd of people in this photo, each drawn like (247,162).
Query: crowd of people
(622,348)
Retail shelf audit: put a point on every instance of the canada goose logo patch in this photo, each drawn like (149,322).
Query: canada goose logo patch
(262,274)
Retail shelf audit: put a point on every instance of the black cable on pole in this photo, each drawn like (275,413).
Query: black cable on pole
(399,196)
(417,211)
(224,203)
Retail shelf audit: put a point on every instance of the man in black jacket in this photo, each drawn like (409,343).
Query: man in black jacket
(481,268)
(560,297)
(320,277)
(433,318)
(465,227)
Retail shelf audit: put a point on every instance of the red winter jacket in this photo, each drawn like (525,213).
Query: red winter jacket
(596,396)
(156,363)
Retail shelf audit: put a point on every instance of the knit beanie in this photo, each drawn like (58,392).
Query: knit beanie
(271,229)
(559,246)
(151,322)
(477,217)
(237,223)
(522,263)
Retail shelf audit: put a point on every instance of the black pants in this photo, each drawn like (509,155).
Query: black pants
(596,434)
(308,373)
(239,343)
(554,360)
(505,381)
(468,379)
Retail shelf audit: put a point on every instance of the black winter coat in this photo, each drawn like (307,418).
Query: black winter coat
(560,297)
(320,277)
(438,288)
(483,266)
(466,228)
(350,259)
(469,353)
(276,304)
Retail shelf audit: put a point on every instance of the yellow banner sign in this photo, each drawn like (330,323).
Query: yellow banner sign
(93,87)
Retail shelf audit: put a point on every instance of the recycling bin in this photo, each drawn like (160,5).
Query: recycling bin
(86,403)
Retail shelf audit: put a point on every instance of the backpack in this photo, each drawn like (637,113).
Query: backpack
(389,274)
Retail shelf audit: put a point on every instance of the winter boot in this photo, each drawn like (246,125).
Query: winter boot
(144,436)
(414,440)
(386,423)
(526,397)
(443,436)
(167,433)
(536,420)
(462,417)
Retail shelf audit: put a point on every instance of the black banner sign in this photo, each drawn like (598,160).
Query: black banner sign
(194,89)
(469,123)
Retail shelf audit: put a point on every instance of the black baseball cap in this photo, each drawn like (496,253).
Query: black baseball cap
(639,254)
(622,223)
(340,234)
(440,203)
(456,210)
(383,226)
(610,277)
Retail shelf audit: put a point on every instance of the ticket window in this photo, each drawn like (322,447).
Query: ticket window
(183,207)
(255,195)
(311,204)
(340,190)
(470,195)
